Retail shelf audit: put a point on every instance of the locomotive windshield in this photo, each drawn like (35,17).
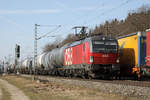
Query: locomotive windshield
(105,46)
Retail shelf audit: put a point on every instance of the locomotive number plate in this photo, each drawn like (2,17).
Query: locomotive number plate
(105,55)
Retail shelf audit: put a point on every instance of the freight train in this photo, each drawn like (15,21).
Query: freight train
(98,56)
(92,57)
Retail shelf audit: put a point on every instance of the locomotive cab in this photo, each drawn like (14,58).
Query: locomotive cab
(104,56)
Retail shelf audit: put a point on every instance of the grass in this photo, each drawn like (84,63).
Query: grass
(58,91)
(28,87)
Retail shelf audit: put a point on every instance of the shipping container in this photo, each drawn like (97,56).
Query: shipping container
(132,49)
(145,71)
(148,48)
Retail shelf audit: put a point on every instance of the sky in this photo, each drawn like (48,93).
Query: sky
(18,17)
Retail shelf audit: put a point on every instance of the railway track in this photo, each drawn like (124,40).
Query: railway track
(126,82)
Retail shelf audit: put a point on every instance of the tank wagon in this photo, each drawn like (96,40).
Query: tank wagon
(132,50)
(26,66)
(92,57)
(50,62)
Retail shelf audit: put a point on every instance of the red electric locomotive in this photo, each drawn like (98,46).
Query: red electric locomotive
(92,57)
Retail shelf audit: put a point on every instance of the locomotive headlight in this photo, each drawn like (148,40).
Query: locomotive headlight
(117,61)
(91,59)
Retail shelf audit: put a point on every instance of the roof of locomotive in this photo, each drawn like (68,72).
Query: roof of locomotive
(102,37)
(89,39)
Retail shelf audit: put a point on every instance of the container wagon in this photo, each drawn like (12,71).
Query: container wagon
(132,50)
(148,48)
(145,71)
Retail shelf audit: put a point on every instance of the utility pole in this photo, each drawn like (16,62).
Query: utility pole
(36,38)
(35,48)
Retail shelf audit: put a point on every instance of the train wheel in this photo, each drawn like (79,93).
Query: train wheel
(83,76)
(90,77)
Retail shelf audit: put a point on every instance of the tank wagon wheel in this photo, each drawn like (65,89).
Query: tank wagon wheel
(83,76)
(75,75)
(30,72)
(90,77)
(71,75)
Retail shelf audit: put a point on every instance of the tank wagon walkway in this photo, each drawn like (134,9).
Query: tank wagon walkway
(15,93)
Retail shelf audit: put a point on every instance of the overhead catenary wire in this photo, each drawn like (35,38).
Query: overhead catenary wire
(49,25)
(49,32)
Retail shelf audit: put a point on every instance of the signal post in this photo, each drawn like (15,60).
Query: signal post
(17,56)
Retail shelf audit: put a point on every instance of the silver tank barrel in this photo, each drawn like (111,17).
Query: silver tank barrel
(54,58)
